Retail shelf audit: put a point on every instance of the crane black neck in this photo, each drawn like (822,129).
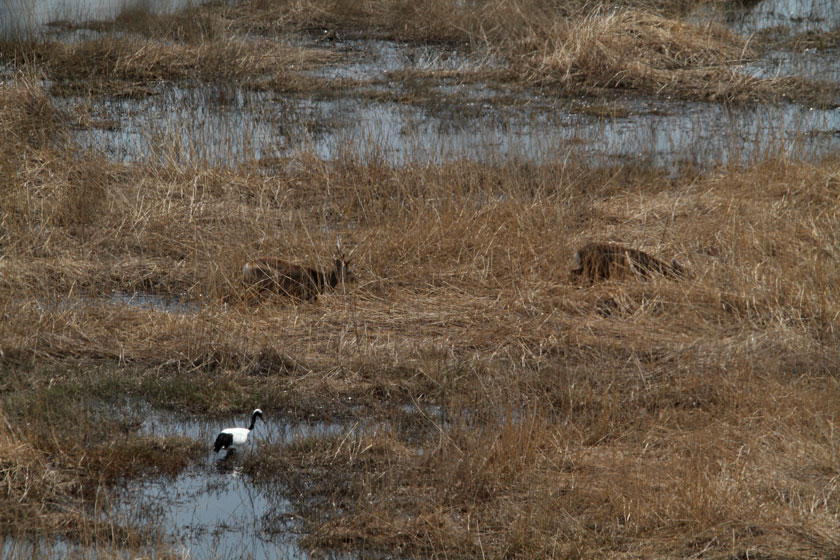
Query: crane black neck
(253,420)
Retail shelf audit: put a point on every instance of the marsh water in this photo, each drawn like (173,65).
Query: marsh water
(440,119)
(230,124)
(252,125)
(213,510)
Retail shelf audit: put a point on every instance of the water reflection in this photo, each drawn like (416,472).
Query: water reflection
(34,547)
(812,64)
(258,126)
(796,15)
(27,17)
(210,511)
(792,17)
(374,59)
(269,430)
(140,300)
(151,302)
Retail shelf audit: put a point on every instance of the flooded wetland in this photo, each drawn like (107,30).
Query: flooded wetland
(435,378)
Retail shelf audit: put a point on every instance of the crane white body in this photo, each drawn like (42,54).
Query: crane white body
(231,437)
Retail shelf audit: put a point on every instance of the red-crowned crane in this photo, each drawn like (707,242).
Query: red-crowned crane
(230,437)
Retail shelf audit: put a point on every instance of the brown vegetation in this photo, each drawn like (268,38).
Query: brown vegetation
(697,415)
(696,418)
(571,48)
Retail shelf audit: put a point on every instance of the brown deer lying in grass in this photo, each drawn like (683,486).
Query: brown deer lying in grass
(285,278)
(600,261)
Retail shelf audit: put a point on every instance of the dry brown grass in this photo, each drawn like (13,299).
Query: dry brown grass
(37,488)
(107,64)
(52,468)
(644,46)
(677,479)
(572,48)
(436,20)
(691,480)
(645,52)
(651,419)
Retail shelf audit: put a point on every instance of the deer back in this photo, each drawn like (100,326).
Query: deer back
(283,277)
(645,264)
(600,261)
(278,275)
